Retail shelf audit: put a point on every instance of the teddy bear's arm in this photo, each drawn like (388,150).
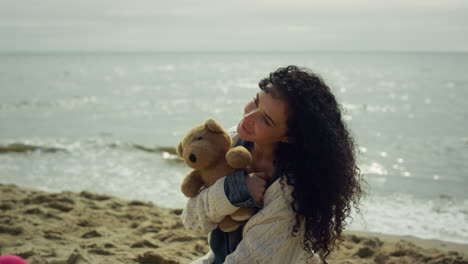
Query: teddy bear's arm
(243,213)
(192,184)
(238,157)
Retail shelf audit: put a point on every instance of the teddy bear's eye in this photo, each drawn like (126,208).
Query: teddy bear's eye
(199,138)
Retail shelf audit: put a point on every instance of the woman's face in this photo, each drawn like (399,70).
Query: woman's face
(264,119)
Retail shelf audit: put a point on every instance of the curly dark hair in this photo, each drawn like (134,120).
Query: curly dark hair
(319,159)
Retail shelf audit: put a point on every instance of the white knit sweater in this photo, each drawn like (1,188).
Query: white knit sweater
(266,236)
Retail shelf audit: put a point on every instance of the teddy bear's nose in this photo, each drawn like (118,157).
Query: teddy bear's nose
(193,158)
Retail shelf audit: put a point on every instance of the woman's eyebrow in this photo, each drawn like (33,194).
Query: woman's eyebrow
(266,115)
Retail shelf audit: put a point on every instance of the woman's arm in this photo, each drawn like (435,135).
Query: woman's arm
(203,212)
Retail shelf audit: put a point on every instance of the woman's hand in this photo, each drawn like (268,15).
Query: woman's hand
(256,183)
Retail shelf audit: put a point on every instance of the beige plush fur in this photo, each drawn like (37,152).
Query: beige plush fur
(207,149)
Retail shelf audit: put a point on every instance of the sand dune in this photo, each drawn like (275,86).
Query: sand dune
(79,228)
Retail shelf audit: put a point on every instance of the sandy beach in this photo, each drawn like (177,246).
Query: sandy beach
(79,228)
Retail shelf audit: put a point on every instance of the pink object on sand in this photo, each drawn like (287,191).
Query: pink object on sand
(11,259)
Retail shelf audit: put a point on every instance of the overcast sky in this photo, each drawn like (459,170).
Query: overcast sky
(236,25)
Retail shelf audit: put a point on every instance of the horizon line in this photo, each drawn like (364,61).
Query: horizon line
(98,51)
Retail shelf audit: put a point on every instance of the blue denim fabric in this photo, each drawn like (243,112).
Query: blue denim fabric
(223,243)
(236,190)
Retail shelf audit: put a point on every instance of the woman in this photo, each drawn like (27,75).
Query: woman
(305,177)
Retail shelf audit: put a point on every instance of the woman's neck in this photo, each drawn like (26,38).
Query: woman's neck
(262,152)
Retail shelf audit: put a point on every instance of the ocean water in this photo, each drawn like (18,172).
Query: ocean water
(86,122)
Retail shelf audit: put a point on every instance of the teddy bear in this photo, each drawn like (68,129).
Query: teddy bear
(207,150)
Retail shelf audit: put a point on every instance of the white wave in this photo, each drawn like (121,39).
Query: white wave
(442,218)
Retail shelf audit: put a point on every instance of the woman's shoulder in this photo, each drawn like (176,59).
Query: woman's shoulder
(279,191)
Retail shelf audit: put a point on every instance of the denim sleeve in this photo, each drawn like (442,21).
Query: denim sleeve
(236,190)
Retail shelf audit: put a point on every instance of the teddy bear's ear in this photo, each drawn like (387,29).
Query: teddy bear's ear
(213,126)
(180,150)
